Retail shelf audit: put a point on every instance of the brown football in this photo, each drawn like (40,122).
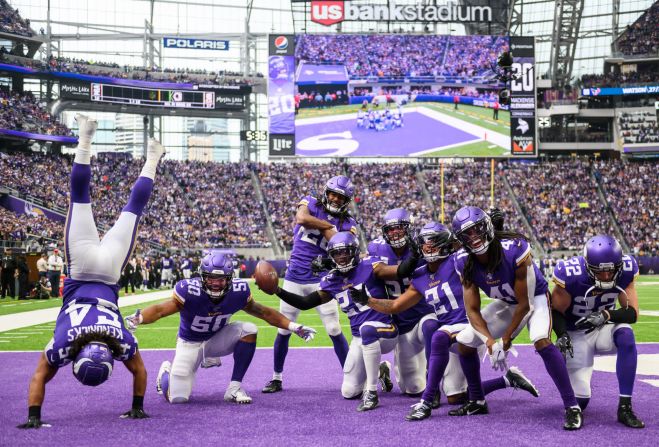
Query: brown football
(266,277)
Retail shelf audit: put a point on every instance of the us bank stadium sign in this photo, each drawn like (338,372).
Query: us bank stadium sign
(330,12)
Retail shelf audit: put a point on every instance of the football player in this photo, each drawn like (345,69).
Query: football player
(587,322)
(499,263)
(89,330)
(205,334)
(316,222)
(373,333)
(437,284)
(416,324)
(167,273)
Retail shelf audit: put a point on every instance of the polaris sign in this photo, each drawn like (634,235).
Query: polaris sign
(195,44)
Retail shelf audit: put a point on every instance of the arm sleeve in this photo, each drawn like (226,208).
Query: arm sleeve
(558,322)
(301,302)
(626,315)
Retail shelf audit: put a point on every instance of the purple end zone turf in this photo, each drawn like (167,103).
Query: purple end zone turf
(419,133)
(310,410)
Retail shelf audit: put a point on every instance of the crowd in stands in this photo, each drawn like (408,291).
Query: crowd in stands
(381,187)
(560,201)
(617,79)
(11,21)
(642,36)
(201,204)
(31,231)
(639,127)
(404,55)
(632,190)
(24,112)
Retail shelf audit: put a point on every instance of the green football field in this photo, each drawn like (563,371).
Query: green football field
(163,333)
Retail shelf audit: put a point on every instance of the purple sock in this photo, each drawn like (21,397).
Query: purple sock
(139,196)
(280,351)
(439,355)
(340,347)
(428,328)
(555,366)
(164,385)
(493,385)
(471,367)
(242,357)
(626,360)
(81,176)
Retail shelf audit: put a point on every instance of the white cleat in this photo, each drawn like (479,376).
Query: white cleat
(87,127)
(237,395)
(165,367)
(154,150)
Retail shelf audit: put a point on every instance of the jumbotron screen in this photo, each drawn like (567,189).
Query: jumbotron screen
(357,95)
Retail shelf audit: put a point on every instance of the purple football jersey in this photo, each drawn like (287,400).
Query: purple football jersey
(88,307)
(442,291)
(500,285)
(308,244)
(338,284)
(571,275)
(167,263)
(407,320)
(200,317)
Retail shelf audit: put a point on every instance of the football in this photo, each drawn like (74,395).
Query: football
(266,277)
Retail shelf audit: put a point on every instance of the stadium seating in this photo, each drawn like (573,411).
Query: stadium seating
(23,112)
(642,36)
(638,126)
(12,23)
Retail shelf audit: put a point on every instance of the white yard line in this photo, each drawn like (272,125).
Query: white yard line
(650,313)
(478,131)
(35,317)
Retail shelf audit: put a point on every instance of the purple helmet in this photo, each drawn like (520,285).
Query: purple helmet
(473,228)
(436,242)
(343,249)
(93,364)
(396,228)
(339,185)
(216,270)
(603,254)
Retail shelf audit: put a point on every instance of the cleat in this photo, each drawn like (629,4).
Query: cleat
(237,395)
(420,411)
(435,400)
(369,401)
(86,126)
(471,408)
(519,381)
(274,386)
(165,367)
(573,419)
(385,377)
(627,417)
(154,149)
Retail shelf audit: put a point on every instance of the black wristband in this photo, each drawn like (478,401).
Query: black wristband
(626,315)
(34,411)
(138,402)
(558,322)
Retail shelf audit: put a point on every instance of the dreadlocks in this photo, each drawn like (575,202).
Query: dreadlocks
(494,254)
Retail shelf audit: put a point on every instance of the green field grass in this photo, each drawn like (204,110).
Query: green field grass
(477,149)
(162,334)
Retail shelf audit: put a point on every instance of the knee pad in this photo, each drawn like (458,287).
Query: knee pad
(440,342)
(623,338)
(429,327)
(333,328)
(248,329)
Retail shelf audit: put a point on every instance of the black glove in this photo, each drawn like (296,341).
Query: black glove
(564,344)
(321,264)
(135,413)
(496,216)
(592,321)
(33,422)
(358,296)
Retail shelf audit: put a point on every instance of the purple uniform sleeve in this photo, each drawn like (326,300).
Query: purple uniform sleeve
(629,271)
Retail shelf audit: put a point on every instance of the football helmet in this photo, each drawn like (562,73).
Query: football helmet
(435,242)
(93,364)
(603,254)
(396,228)
(473,228)
(343,249)
(216,271)
(342,186)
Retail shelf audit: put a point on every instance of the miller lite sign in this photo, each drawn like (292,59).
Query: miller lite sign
(282,145)
(327,12)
